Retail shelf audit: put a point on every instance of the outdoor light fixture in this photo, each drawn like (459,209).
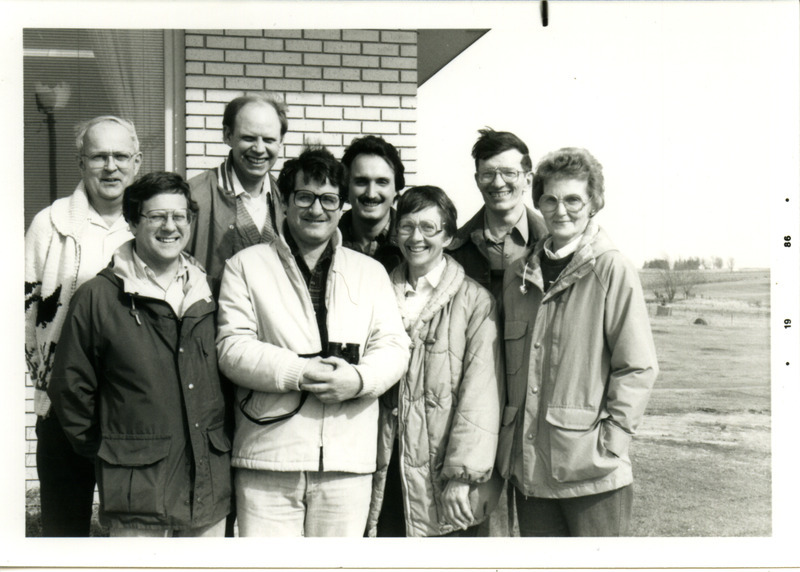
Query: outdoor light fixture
(48,99)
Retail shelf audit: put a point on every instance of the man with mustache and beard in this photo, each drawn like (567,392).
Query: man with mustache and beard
(505,228)
(374,179)
(66,245)
(239,201)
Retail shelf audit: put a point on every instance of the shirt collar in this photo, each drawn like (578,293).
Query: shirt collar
(238,188)
(295,250)
(564,251)
(96,218)
(144,272)
(432,278)
(520,228)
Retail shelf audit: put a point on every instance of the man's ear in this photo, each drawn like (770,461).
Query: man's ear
(137,162)
(226,135)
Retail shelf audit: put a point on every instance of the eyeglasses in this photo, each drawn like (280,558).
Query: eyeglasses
(181,217)
(428,229)
(102,159)
(549,203)
(328,201)
(508,175)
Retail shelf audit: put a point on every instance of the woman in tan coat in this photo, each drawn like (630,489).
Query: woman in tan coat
(580,361)
(439,424)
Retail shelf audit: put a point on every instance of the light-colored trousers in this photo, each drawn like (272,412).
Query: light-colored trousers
(301,503)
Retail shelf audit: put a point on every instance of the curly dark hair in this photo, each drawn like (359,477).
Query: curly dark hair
(317,164)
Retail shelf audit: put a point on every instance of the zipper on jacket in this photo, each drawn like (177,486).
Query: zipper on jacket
(400,450)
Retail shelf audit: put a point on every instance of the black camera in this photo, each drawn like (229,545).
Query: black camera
(347,352)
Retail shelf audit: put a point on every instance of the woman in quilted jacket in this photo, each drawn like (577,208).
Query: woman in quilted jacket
(439,424)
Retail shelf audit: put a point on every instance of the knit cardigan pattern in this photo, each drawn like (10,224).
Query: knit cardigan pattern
(52,263)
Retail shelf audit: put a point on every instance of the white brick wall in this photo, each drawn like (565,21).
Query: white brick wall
(339,85)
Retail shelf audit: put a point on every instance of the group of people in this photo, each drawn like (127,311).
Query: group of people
(239,351)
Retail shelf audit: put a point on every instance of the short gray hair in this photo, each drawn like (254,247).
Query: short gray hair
(83,127)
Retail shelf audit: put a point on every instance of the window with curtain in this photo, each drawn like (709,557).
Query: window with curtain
(71,75)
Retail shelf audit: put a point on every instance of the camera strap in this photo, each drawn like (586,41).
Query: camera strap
(277,418)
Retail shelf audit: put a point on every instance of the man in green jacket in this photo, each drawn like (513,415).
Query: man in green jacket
(135,381)
(238,200)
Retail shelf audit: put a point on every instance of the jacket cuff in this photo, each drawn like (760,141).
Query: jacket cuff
(464,474)
(615,439)
(292,374)
(367,388)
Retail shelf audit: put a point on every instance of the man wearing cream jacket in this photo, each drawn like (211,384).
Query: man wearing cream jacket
(311,334)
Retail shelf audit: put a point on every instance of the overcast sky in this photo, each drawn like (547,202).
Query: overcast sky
(690,107)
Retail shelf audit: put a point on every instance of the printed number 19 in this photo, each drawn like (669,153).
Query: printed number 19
(787,323)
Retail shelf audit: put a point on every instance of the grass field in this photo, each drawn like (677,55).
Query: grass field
(701,458)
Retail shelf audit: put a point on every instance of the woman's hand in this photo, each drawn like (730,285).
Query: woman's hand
(456,504)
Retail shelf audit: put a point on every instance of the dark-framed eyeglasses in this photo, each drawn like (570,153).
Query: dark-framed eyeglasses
(549,203)
(181,217)
(508,175)
(426,228)
(97,160)
(328,201)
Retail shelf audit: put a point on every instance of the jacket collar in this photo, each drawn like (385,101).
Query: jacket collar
(387,234)
(285,252)
(69,215)
(225,175)
(451,280)
(593,243)
(124,268)
(536,229)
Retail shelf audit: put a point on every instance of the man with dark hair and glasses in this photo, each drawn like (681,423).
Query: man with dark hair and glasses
(238,199)
(310,333)
(505,228)
(135,381)
(67,244)
(501,232)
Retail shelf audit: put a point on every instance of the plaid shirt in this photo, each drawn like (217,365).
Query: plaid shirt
(316,278)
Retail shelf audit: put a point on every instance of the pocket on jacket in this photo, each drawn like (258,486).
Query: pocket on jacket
(505,441)
(219,460)
(132,474)
(577,452)
(514,340)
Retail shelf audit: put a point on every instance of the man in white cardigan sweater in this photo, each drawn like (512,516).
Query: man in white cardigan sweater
(68,243)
